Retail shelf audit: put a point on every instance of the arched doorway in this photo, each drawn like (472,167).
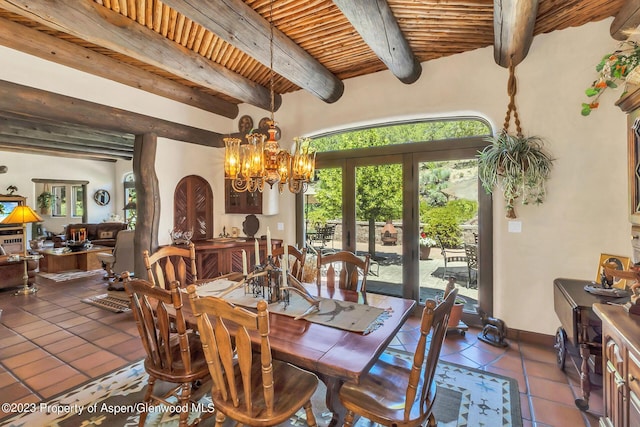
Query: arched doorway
(193,207)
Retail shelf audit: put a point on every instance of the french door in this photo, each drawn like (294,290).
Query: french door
(395,267)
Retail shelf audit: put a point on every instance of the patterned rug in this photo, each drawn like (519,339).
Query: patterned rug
(66,276)
(465,397)
(108,302)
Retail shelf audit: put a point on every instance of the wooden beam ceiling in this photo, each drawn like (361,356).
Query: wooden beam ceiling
(626,21)
(513,24)
(239,25)
(376,24)
(38,104)
(25,39)
(96,24)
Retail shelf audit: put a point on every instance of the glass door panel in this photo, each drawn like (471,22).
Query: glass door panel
(323,212)
(448,206)
(378,225)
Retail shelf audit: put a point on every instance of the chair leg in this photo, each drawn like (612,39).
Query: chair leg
(431,422)
(146,400)
(348,419)
(185,395)
(220,417)
(311,419)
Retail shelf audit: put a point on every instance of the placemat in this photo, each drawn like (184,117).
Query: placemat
(349,316)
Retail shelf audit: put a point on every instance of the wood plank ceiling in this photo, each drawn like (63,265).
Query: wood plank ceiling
(215,54)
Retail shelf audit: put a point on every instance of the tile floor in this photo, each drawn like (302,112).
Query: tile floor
(51,341)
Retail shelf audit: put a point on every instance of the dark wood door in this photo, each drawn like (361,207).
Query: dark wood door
(193,207)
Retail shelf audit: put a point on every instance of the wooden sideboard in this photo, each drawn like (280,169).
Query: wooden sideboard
(621,365)
(221,256)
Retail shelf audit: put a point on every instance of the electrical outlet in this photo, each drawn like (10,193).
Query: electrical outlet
(281,226)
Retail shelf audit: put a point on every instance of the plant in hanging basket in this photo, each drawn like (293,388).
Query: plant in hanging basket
(518,165)
(613,68)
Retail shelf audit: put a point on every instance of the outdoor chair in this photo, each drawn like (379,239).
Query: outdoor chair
(173,355)
(248,385)
(171,263)
(471,252)
(296,260)
(321,236)
(450,255)
(349,269)
(397,391)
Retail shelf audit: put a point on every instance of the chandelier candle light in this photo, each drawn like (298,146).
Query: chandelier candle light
(258,162)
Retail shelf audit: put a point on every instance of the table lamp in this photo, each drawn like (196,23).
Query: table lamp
(24,215)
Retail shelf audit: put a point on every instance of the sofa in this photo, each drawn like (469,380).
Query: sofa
(101,234)
(11,273)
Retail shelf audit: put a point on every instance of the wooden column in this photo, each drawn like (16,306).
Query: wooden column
(147,198)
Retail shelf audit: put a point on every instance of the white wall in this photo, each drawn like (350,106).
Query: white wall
(585,212)
(584,215)
(22,168)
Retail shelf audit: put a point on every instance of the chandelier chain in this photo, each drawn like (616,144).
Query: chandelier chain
(271,74)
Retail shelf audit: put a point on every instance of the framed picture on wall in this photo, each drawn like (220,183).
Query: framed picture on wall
(622,263)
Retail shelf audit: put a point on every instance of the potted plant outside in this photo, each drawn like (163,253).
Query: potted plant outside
(517,164)
(426,243)
(45,201)
(616,67)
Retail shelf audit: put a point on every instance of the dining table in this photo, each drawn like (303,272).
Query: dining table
(335,355)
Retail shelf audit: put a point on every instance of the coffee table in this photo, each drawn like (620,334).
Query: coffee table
(57,259)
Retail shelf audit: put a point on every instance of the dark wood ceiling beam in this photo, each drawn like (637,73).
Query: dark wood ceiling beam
(377,26)
(39,103)
(53,49)
(65,147)
(63,133)
(513,23)
(96,24)
(239,25)
(19,148)
(626,20)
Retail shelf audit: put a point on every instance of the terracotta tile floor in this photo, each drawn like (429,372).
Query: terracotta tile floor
(51,342)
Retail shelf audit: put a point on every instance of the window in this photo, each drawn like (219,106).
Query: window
(59,207)
(130,200)
(78,201)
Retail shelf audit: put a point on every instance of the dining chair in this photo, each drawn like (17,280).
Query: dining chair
(248,385)
(173,355)
(349,269)
(171,263)
(296,255)
(400,391)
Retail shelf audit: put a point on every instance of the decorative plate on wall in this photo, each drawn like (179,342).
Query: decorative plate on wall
(250,225)
(102,197)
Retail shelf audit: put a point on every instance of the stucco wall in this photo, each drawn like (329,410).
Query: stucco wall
(585,212)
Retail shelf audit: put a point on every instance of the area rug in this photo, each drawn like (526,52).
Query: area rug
(66,276)
(465,397)
(108,302)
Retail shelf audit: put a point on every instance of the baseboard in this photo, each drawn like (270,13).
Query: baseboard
(531,337)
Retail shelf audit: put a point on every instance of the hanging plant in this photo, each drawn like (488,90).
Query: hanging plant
(517,164)
(613,68)
(45,201)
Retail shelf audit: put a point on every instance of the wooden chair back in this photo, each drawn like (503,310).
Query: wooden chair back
(244,378)
(297,259)
(397,392)
(349,270)
(171,263)
(173,353)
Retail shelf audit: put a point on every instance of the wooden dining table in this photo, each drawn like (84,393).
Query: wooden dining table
(334,355)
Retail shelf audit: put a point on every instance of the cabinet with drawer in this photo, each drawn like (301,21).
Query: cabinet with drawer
(621,360)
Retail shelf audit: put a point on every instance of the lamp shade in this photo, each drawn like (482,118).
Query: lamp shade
(22,215)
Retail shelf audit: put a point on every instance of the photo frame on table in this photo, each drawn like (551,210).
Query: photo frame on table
(622,263)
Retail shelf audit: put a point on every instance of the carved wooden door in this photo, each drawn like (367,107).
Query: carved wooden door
(193,207)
